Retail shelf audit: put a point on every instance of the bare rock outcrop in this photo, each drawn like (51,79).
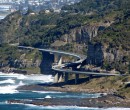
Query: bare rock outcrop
(83,34)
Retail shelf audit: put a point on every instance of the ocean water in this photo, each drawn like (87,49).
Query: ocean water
(4,12)
(8,91)
(2,17)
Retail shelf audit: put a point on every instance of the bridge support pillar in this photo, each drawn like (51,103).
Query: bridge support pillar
(76,78)
(66,77)
(59,59)
(60,77)
(56,78)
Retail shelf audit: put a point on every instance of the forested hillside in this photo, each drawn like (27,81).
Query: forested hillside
(92,27)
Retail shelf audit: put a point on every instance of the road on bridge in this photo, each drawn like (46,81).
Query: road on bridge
(61,68)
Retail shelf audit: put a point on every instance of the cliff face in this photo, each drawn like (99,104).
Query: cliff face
(46,63)
(77,40)
(84,34)
(109,58)
(29,62)
(24,63)
(80,39)
(95,55)
(116,59)
(99,54)
(20,60)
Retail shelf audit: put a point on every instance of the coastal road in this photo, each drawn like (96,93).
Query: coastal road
(61,68)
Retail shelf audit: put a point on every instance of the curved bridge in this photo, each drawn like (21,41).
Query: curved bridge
(61,68)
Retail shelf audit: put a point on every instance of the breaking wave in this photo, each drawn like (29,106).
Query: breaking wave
(40,78)
(9,89)
(8,81)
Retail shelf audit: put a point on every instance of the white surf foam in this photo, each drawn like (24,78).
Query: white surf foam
(42,78)
(10,85)
(10,89)
(38,79)
(12,75)
(8,81)
(13,80)
(21,77)
(21,83)
(59,107)
(72,108)
(48,97)
(40,107)
(33,78)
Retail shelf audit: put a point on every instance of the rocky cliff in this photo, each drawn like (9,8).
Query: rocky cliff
(46,63)
(95,55)
(81,40)
(99,37)
(99,54)
(81,35)
(20,61)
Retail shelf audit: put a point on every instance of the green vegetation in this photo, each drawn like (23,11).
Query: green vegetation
(8,55)
(8,28)
(30,70)
(117,34)
(116,37)
(33,55)
(42,29)
(11,57)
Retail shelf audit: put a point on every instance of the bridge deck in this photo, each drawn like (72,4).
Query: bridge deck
(61,68)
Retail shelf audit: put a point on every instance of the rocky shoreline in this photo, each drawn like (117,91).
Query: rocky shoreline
(109,96)
(101,102)
(65,88)
(105,101)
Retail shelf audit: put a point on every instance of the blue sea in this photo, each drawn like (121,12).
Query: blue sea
(8,91)
(4,11)
(2,17)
